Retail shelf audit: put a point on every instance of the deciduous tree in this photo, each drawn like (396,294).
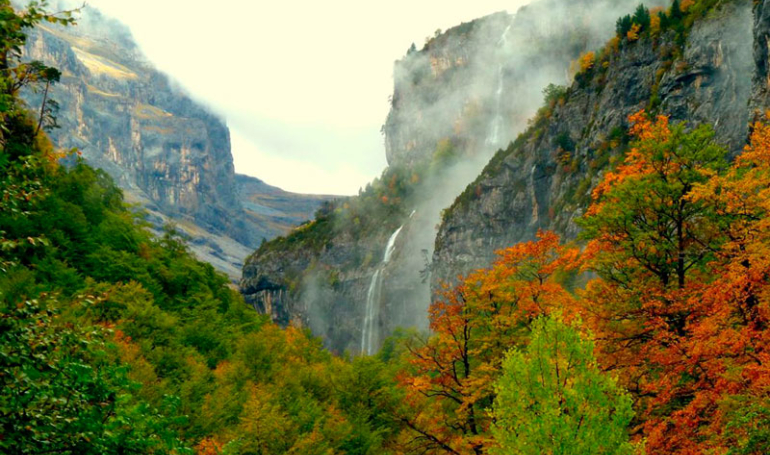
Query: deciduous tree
(552,398)
(450,384)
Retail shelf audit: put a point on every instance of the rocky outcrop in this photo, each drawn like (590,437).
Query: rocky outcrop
(276,211)
(761,91)
(167,152)
(323,283)
(537,183)
(477,84)
(466,93)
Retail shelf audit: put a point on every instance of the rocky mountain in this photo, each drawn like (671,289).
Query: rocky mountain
(718,75)
(364,267)
(168,152)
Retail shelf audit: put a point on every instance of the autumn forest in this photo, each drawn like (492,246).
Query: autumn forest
(648,334)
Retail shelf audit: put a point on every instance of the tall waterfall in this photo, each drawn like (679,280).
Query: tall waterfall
(493,137)
(369,335)
(504,38)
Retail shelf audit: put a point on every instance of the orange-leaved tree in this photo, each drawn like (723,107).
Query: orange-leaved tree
(648,239)
(680,245)
(730,408)
(449,384)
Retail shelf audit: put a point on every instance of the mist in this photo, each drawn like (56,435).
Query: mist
(306,65)
(475,86)
(478,90)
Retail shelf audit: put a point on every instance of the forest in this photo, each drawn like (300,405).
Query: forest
(648,334)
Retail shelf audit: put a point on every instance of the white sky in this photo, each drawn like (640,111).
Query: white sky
(303,85)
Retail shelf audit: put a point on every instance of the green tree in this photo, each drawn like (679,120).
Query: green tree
(643,212)
(554,93)
(676,14)
(665,21)
(22,170)
(553,399)
(62,391)
(642,17)
(623,25)
(748,424)
(16,74)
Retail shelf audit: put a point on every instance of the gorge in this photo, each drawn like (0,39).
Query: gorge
(567,252)
(469,91)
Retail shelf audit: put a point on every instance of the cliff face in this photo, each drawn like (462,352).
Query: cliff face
(166,151)
(324,289)
(760,95)
(466,93)
(720,78)
(128,119)
(477,84)
(276,211)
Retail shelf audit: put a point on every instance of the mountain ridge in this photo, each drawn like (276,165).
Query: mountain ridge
(169,154)
(455,102)
(534,185)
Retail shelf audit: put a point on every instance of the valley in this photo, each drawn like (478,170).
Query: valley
(567,252)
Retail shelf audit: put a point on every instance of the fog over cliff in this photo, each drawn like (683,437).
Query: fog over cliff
(501,69)
(486,86)
(467,93)
(303,86)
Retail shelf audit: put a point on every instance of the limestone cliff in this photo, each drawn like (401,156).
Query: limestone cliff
(467,92)
(538,183)
(167,152)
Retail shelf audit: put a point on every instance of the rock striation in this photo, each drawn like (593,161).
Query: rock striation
(168,152)
(465,94)
(538,184)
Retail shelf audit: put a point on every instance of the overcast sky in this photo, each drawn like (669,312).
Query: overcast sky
(303,85)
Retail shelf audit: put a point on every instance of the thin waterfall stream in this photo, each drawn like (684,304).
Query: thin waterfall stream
(493,137)
(369,335)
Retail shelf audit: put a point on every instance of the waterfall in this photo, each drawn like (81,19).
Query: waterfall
(369,331)
(391,246)
(370,320)
(504,39)
(493,138)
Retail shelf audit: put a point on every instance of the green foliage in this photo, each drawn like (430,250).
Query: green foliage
(623,25)
(635,25)
(748,424)
(565,142)
(660,226)
(555,93)
(21,188)
(675,12)
(552,398)
(17,74)
(64,391)
(177,355)
(642,17)
(145,349)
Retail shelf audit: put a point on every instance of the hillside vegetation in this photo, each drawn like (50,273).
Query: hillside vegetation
(650,335)
(114,341)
